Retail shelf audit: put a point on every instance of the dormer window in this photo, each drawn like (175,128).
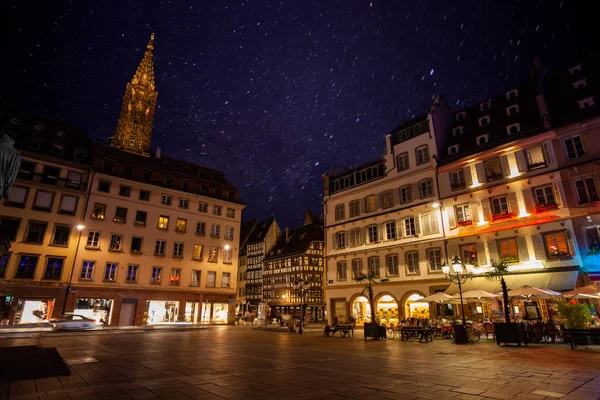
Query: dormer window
(512,94)
(574,69)
(39,127)
(586,103)
(34,143)
(514,128)
(580,83)
(14,121)
(485,105)
(457,131)
(57,149)
(79,154)
(60,134)
(461,115)
(453,149)
(512,109)
(483,121)
(482,139)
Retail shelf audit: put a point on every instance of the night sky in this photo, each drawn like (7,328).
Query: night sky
(275,93)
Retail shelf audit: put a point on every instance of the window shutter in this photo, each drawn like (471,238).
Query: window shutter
(522,246)
(547,153)
(480,173)
(417,191)
(418,225)
(43,199)
(334,243)
(474,210)
(396,196)
(481,257)
(378,202)
(521,161)
(504,165)
(493,250)
(468,177)
(451,217)
(399,229)
(380,232)
(452,251)
(485,208)
(528,200)
(570,243)
(17,195)
(513,205)
(538,246)
(557,196)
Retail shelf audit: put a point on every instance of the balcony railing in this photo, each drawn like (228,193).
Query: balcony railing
(52,180)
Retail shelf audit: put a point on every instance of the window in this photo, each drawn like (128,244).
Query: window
(215,230)
(429,223)
(184,203)
(225,279)
(483,121)
(211,279)
(580,83)
(453,149)
(3,264)
(156,275)
(339,212)
(132,273)
(201,228)
(185,185)
(181,225)
(512,109)
(535,158)
(405,194)
(391,264)
(145,195)
(74,179)
(512,94)
(147,175)
(175,276)
(110,272)
(355,237)
(104,186)
(586,190)
(426,188)
(461,115)
(374,267)
(340,240)
(140,218)
(116,240)
(356,267)
(422,154)
(195,278)
(61,235)
(17,197)
(166,200)
(463,214)
(499,206)
(544,197)
(43,201)
(198,250)
(412,262)
(387,199)
(227,255)
(372,234)
(68,205)
(457,179)
(178,249)
(125,191)
(93,240)
(229,232)
(556,245)
(402,162)
(514,128)
(574,147)
(27,170)
(230,213)
(50,175)
(342,271)
(36,232)
(99,211)
(136,244)
(159,247)
(120,215)
(390,230)
(485,105)
(108,165)
(508,250)
(163,222)
(354,208)
(457,131)
(217,210)
(26,267)
(203,207)
(87,270)
(482,139)
(79,154)
(9,227)
(434,256)
(213,254)
(54,268)
(585,103)
(409,227)
(493,169)
(468,253)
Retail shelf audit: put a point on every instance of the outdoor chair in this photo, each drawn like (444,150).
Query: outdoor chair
(488,329)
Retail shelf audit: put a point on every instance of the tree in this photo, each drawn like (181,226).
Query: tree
(498,271)
(369,280)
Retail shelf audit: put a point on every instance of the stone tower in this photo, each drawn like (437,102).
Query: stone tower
(134,129)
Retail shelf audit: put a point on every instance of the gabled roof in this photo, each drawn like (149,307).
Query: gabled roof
(295,241)
(260,230)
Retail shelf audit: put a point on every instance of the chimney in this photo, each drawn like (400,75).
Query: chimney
(287,234)
(158,152)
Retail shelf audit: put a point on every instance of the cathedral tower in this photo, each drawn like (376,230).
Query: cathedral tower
(134,130)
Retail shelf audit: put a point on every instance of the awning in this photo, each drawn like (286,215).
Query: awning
(560,281)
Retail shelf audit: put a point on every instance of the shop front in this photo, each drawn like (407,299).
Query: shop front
(387,310)
(32,311)
(193,312)
(100,310)
(162,312)
(361,310)
(414,308)
(215,313)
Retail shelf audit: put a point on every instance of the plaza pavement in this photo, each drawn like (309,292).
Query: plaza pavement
(243,363)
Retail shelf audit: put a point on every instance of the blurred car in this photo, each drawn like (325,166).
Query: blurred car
(67,322)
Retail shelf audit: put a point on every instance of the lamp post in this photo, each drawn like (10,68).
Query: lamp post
(459,277)
(64,307)
(301,286)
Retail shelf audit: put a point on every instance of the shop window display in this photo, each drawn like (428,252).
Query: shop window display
(161,312)
(387,310)
(361,311)
(415,308)
(34,311)
(97,309)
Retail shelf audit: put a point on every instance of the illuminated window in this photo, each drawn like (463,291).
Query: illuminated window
(198,249)
(468,253)
(175,276)
(508,250)
(163,222)
(87,270)
(120,215)
(26,267)
(493,169)
(195,278)
(544,197)
(181,225)
(387,199)
(412,262)
(499,206)
(370,203)
(535,158)
(54,268)
(463,214)
(211,279)
(213,254)
(342,271)
(227,256)
(556,245)
(225,277)
(391,264)
(156,275)
(99,211)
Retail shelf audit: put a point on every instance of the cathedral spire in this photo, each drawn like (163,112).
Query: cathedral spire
(134,129)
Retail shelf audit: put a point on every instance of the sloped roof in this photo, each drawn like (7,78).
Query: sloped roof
(260,231)
(295,241)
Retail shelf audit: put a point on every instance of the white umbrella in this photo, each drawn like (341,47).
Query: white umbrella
(476,294)
(583,296)
(593,290)
(533,292)
(437,297)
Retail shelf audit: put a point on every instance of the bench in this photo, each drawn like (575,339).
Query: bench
(344,330)
(581,336)
(407,332)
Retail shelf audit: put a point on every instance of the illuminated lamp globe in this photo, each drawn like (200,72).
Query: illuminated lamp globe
(457,264)
(445,268)
(80,227)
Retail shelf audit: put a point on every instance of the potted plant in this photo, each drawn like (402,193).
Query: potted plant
(506,332)
(370,280)
(576,316)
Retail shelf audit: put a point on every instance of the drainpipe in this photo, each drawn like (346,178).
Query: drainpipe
(437,184)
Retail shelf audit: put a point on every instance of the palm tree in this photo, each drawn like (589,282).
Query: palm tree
(498,271)
(369,281)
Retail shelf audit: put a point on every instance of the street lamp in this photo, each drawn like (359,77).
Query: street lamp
(459,277)
(64,307)
(301,286)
